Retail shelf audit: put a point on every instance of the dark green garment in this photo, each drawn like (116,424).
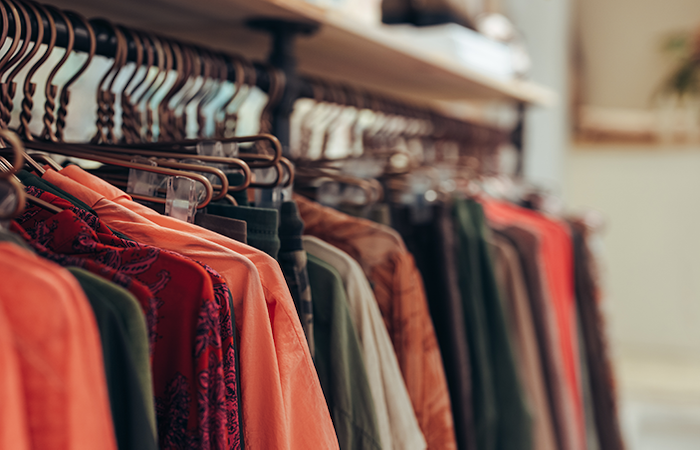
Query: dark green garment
(592,439)
(503,421)
(432,242)
(231,228)
(292,260)
(235,179)
(124,340)
(261,224)
(339,361)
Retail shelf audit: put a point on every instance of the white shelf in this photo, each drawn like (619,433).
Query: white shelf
(343,50)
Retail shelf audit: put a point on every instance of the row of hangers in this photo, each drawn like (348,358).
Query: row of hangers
(170,84)
(154,105)
(370,144)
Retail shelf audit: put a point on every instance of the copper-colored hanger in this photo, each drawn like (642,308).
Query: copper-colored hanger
(22,24)
(163,68)
(198,81)
(5,30)
(50,89)
(129,152)
(110,94)
(64,97)
(337,96)
(134,122)
(45,158)
(4,61)
(105,97)
(128,110)
(8,171)
(21,196)
(5,25)
(149,49)
(242,86)
(18,190)
(27,160)
(14,143)
(71,150)
(153,109)
(254,160)
(20,59)
(9,58)
(222,188)
(165,115)
(307,176)
(29,89)
(220,62)
(211,83)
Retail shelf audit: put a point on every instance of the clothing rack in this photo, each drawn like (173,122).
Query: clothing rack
(282,57)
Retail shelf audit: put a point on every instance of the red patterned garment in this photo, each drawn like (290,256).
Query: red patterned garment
(194,372)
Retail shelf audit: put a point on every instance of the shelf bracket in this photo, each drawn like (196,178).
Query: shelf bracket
(517,139)
(283,56)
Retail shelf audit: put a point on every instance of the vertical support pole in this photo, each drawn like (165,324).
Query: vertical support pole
(517,139)
(283,57)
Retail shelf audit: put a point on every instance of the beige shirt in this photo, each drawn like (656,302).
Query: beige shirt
(398,426)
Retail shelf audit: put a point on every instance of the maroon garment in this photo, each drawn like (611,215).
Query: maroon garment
(193,356)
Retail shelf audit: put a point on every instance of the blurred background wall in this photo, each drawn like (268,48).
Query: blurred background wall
(638,162)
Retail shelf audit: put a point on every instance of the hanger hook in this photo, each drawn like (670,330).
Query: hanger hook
(128,110)
(25,116)
(105,97)
(50,90)
(4,65)
(165,65)
(64,96)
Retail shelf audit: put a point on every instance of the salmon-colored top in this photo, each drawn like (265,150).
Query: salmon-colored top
(59,352)
(398,288)
(557,257)
(14,432)
(283,404)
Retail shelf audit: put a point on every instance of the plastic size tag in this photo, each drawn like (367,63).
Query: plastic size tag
(140,181)
(267,198)
(210,148)
(220,150)
(180,200)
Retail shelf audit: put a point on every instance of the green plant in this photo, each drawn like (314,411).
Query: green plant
(684,80)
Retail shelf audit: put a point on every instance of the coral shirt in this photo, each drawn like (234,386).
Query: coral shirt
(59,353)
(557,257)
(14,432)
(283,404)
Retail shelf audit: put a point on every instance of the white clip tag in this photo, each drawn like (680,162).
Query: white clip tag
(230,149)
(210,148)
(268,197)
(142,182)
(220,150)
(180,200)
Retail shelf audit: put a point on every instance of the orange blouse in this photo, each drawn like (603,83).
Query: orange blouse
(282,401)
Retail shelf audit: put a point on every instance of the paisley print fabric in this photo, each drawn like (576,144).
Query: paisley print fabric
(193,352)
